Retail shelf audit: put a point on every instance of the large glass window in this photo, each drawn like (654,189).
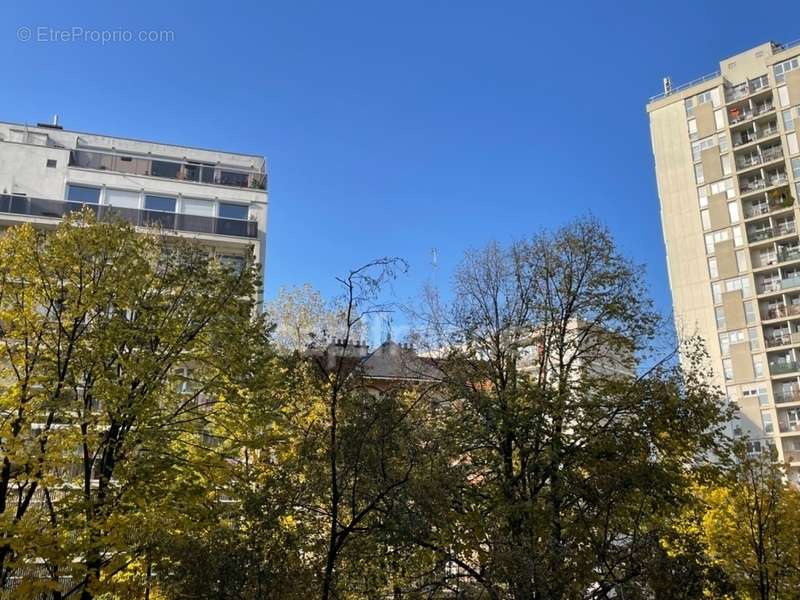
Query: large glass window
(232,211)
(161,203)
(161,168)
(782,68)
(83,194)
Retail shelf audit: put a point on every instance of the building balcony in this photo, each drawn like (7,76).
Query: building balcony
(753,160)
(57,209)
(746,88)
(785,397)
(789,427)
(767,206)
(784,310)
(783,367)
(206,173)
(783,338)
(759,235)
(737,116)
(749,136)
(762,183)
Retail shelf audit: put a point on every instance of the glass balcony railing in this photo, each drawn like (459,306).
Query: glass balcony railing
(781,367)
(784,396)
(40,207)
(788,254)
(180,170)
(788,283)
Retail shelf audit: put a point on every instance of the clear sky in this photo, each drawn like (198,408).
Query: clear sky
(391,128)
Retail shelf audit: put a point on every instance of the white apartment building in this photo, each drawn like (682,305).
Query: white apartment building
(218,198)
(727,163)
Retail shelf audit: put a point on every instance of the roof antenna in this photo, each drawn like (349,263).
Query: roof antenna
(55,120)
(667,81)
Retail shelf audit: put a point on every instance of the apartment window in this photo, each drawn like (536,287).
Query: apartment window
(723,185)
(741,261)
(788,121)
(726,164)
(83,194)
(732,337)
(796,167)
(700,145)
(752,333)
(713,238)
(759,393)
(737,237)
(712,267)
(754,447)
(749,312)
(719,119)
(702,196)
(781,69)
(758,366)
(161,168)
(122,199)
(719,313)
(51,163)
(766,421)
(733,211)
(738,283)
(692,127)
(232,211)
(705,219)
(783,96)
(198,207)
(698,173)
(233,262)
(716,292)
(791,143)
(159,203)
(727,369)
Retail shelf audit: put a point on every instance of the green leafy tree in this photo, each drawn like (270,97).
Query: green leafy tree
(114,372)
(567,457)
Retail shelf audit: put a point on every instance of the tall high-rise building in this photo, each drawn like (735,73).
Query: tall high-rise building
(217,198)
(728,168)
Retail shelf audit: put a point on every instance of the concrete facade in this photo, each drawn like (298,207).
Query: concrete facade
(727,163)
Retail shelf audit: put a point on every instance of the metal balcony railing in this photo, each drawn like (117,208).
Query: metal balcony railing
(168,169)
(783,310)
(787,254)
(763,208)
(783,338)
(57,209)
(759,235)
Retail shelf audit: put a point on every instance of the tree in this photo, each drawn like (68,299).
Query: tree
(303,319)
(566,458)
(114,362)
(750,528)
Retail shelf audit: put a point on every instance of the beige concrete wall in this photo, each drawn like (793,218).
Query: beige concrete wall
(733,307)
(683,234)
(718,211)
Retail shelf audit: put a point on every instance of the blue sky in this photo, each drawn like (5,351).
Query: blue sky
(392,128)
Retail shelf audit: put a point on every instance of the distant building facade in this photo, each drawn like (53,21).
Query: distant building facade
(727,163)
(217,198)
